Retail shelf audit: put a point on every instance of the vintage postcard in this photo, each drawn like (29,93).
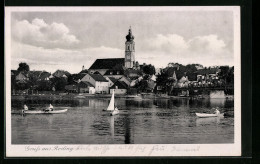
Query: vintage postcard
(122,81)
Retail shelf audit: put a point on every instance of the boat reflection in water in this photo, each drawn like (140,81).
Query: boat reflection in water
(142,121)
(208,121)
(112,126)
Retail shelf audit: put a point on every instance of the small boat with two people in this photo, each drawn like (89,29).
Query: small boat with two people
(215,114)
(49,110)
(111,107)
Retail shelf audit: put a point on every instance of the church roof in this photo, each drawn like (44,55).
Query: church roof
(107,63)
(114,72)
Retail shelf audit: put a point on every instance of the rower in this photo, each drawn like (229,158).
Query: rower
(51,108)
(25,107)
(217,111)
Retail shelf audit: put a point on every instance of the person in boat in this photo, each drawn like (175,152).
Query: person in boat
(25,107)
(50,108)
(217,111)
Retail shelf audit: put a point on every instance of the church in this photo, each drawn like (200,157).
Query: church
(118,66)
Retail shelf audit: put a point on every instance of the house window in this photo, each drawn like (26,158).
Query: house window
(128,47)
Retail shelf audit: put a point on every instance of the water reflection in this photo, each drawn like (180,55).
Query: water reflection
(207,121)
(155,121)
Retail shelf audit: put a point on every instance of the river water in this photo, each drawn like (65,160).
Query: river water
(140,121)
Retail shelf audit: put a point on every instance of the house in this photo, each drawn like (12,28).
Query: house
(21,77)
(133,74)
(72,87)
(75,77)
(207,74)
(183,82)
(44,76)
(126,80)
(86,87)
(151,83)
(111,80)
(172,79)
(119,87)
(61,73)
(136,81)
(192,77)
(39,75)
(98,81)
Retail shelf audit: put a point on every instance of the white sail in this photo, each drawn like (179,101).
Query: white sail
(111,105)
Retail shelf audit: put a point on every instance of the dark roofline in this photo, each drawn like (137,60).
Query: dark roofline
(98,77)
(87,83)
(107,63)
(119,84)
(113,79)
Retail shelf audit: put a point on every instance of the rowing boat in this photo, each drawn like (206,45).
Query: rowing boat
(44,112)
(202,115)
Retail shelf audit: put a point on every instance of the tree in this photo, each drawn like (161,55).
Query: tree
(44,85)
(230,76)
(23,67)
(224,73)
(142,85)
(59,83)
(191,68)
(162,80)
(149,69)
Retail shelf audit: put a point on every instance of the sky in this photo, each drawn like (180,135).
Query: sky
(68,40)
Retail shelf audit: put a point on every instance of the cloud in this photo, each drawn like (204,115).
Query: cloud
(159,50)
(39,58)
(39,33)
(206,43)
(168,42)
(162,49)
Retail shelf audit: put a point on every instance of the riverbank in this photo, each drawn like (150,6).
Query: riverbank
(82,96)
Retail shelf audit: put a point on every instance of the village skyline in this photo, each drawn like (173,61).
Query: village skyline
(50,41)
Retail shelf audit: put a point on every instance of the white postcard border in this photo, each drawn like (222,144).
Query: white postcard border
(131,150)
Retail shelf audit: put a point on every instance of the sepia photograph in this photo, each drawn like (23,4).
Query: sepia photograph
(123,81)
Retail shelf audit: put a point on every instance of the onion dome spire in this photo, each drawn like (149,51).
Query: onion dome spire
(130,37)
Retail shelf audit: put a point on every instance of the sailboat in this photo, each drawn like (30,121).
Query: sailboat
(111,107)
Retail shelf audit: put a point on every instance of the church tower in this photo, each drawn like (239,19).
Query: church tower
(129,50)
